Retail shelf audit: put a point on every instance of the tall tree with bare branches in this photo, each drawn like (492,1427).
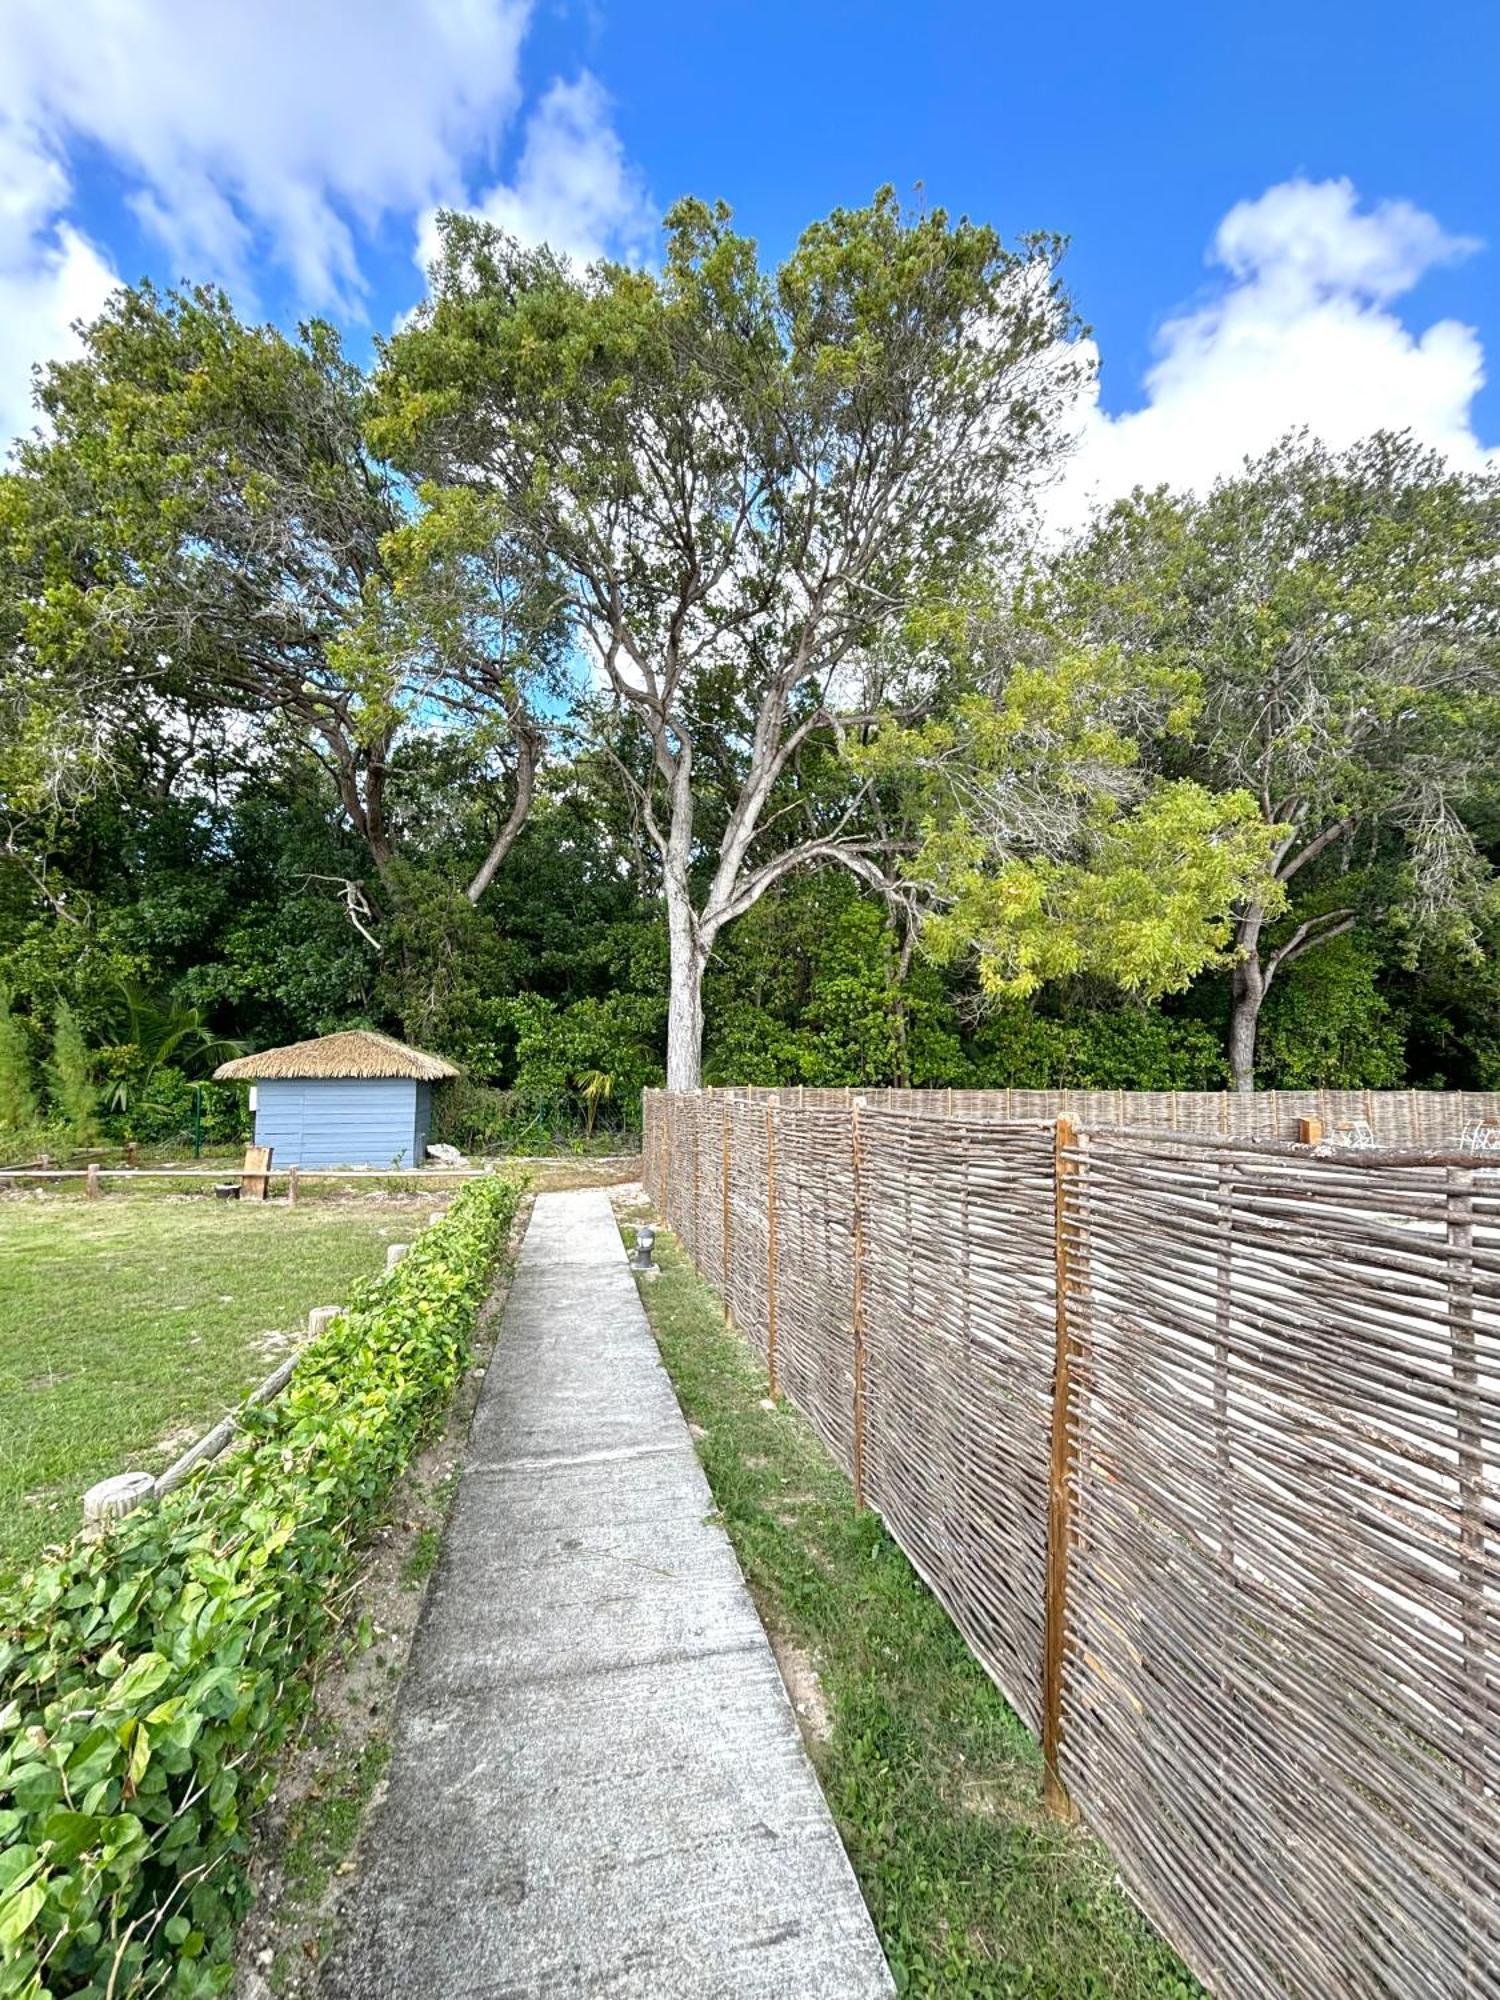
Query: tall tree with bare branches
(745,479)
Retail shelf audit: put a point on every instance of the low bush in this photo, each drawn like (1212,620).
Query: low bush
(149,1678)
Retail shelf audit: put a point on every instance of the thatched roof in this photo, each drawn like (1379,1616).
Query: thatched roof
(359,1052)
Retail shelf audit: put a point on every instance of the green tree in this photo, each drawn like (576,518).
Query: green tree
(201,530)
(163,1040)
(19,1111)
(74,1091)
(1341,612)
(1050,848)
(743,480)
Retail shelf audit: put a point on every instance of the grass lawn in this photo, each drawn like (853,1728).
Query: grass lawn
(129,1325)
(933,1780)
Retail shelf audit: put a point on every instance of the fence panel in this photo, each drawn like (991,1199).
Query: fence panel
(958,1300)
(815,1294)
(1280,1705)
(1426,1118)
(1279,1645)
(750,1156)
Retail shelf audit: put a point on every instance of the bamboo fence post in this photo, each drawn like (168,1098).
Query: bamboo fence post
(1460,1219)
(697,1176)
(858,1312)
(1063,1459)
(1224,1471)
(726,1261)
(771,1253)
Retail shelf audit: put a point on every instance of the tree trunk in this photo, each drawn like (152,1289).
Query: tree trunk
(686,960)
(1247,991)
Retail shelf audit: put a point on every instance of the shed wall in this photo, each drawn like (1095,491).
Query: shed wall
(339,1122)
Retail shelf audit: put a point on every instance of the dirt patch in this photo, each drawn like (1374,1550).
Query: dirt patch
(560,1176)
(171,1447)
(335,1773)
(804,1689)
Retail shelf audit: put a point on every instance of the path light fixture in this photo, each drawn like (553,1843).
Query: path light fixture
(645,1243)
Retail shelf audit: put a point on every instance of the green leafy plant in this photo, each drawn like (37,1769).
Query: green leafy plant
(75,1094)
(595,1087)
(18,1105)
(149,1678)
(171,1039)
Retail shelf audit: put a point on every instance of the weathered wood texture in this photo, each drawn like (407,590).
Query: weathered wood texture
(1279,1686)
(1430,1118)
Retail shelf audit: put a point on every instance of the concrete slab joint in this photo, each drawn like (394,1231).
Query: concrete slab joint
(598,1786)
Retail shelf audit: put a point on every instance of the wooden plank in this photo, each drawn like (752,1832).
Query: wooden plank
(255,1183)
(725,1218)
(1060,1472)
(858,1311)
(772,1253)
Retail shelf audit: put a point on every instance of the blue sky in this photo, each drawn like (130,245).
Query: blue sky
(1278,213)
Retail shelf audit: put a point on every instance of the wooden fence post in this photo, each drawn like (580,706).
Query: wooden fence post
(91,1181)
(293,1180)
(772,1252)
(1470,1438)
(697,1176)
(726,1253)
(1063,1460)
(858,1311)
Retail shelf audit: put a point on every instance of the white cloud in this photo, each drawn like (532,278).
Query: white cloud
(1300,331)
(50,274)
(280,132)
(276,126)
(573,186)
(64,280)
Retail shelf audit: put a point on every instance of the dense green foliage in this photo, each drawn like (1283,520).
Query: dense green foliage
(1339,614)
(148,1679)
(629,654)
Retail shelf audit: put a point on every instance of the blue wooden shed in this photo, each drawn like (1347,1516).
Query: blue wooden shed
(356,1099)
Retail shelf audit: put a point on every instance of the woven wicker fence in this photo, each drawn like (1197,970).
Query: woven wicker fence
(1198,1441)
(1426,1118)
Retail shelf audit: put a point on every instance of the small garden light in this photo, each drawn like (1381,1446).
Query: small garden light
(645,1243)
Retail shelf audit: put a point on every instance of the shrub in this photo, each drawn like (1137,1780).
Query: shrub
(154,1102)
(559,1048)
(18,1105)
(75,1095)
(1328,1025)
(149,1678)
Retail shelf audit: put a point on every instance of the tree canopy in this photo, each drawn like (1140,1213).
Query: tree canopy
(1341,614)
(642,673)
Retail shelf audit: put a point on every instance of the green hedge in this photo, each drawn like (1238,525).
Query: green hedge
(149,1678)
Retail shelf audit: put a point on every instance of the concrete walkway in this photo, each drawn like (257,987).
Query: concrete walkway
(598,1785)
